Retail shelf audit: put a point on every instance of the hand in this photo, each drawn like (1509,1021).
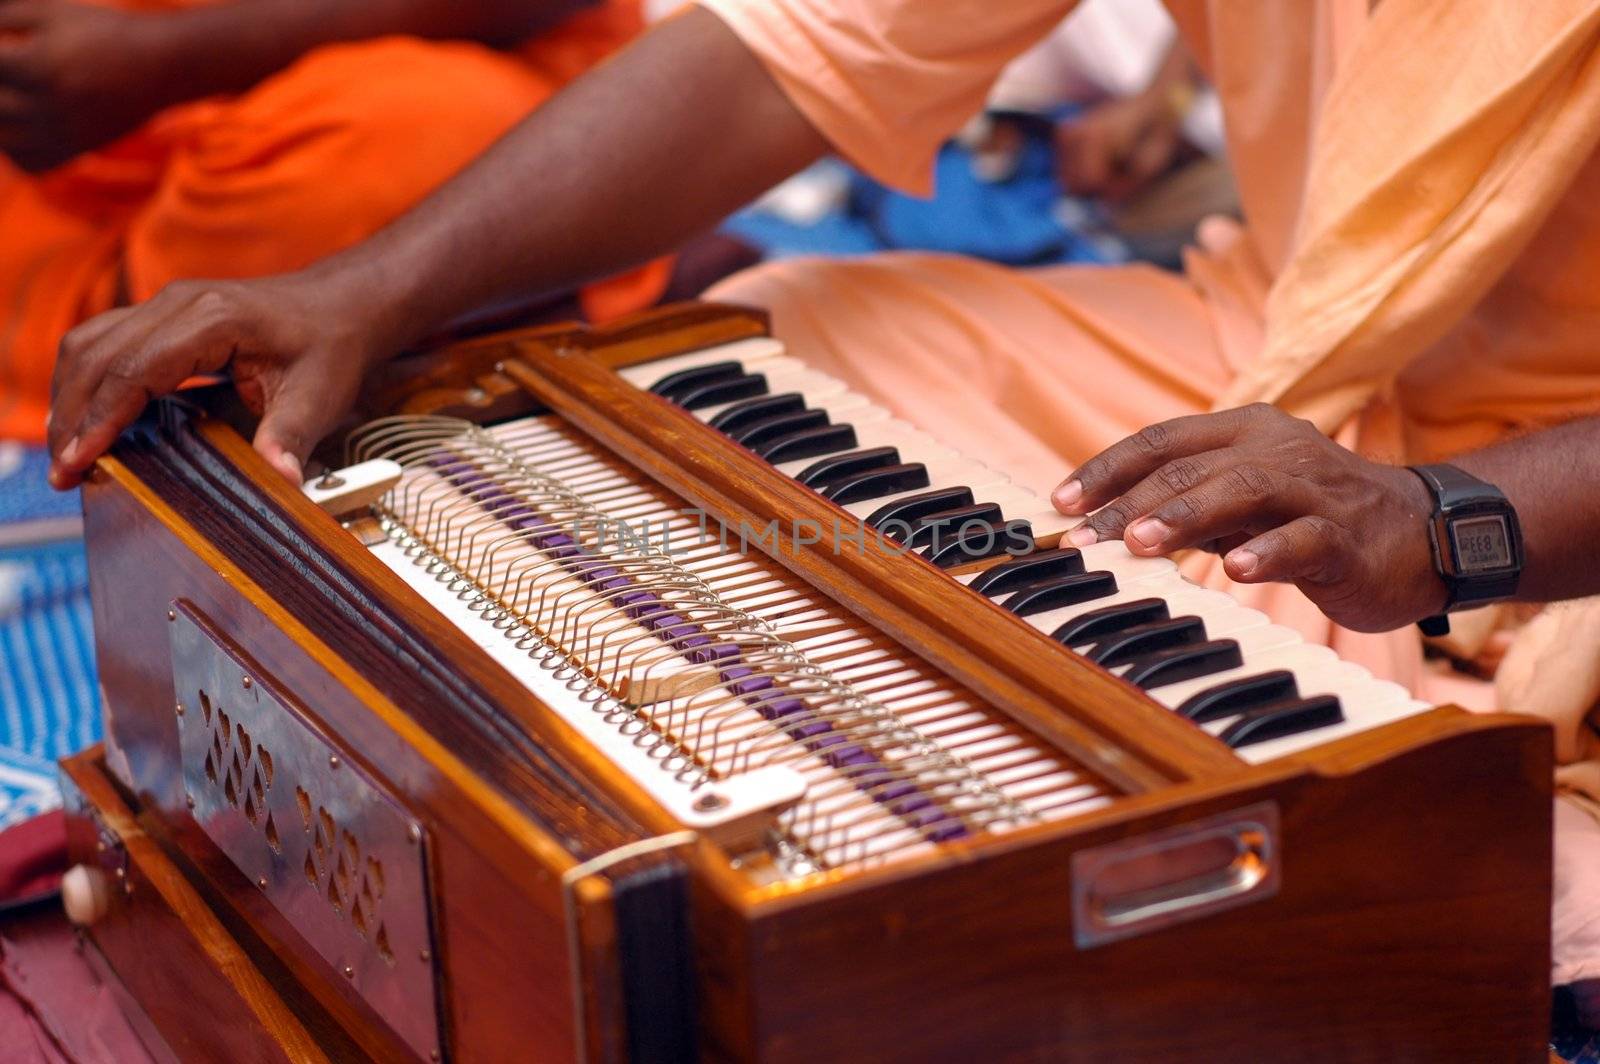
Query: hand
(297,346)
(1117,147)
(75,76)
(1281,499)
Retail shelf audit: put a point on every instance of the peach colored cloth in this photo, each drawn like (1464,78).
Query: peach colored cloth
(1419,276)
(311,160)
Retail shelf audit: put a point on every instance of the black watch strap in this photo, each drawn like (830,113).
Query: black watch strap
(1451,487)
(1460,496)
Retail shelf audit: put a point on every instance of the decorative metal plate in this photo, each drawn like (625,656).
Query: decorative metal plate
(335,853)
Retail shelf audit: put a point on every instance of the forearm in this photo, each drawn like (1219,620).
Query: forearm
(658,144)
(228,47)
(1553,479)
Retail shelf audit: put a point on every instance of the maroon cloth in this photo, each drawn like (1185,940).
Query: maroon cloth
(33,855)
(54,1007)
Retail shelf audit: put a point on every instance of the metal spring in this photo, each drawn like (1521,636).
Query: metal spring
(567,625)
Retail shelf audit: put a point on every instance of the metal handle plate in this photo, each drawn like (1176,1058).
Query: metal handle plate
(1143,884)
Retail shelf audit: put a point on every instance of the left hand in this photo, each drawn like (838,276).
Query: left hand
(1283,501)
(75,76)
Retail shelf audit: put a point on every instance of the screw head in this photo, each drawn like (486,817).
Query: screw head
(710,802)
(499,367)
(349,972)
(172,615)
(120,873)
(262,882)
(178,709)
(433,1054)
(414,833)
(330,480)
(188,800)
(333,760)
(247,682)
(425,954)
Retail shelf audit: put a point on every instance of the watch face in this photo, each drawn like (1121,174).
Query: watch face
(1481,543)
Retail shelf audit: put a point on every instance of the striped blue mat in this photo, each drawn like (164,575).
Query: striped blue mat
(49,705)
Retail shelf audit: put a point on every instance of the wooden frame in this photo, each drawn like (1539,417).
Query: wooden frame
(1385,873)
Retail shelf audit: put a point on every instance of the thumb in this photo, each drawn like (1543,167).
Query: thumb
(298,413)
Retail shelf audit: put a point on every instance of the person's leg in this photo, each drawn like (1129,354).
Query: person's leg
(1030,371)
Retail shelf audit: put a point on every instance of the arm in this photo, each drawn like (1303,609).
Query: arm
(1285,503)
(639,154)
(75,75)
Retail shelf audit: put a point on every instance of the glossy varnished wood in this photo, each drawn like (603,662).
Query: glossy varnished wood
(201,991)
(1412,925)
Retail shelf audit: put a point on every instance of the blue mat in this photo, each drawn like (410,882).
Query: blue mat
(49,703)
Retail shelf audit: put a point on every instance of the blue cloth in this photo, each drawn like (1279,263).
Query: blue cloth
(49,702)
(1020,221)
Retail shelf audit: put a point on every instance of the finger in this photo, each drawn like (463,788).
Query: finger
(128,377)
(1128,461)
(85,354)
(1307,550)
(1242,498)
(1167,482)
(300,409)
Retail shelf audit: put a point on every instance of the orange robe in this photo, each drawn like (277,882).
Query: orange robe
(311,160)
(1419,272)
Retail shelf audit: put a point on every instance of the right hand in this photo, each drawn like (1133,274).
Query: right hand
(1117,147)
(297,349)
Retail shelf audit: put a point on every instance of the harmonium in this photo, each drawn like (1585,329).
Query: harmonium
(642,693)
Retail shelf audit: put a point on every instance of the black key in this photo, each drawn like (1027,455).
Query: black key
(760,408)
(1014,537)
(1046,565)
(1097,624)
(1240,696)
(1283,718)
(1136,642)
(1184,663)
(764,432)
(876,483)
(1065,591)
(669,386)
(913,509)
(820,474)
(724,391)
(808,443)
(935,528)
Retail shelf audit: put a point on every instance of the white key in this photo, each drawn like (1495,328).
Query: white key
(746,352)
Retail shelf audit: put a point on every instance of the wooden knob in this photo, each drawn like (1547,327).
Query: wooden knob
(85,894)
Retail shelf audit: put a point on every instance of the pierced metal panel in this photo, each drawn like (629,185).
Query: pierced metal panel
(335,853)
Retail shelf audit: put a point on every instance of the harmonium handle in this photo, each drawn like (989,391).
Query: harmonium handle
(1149,882)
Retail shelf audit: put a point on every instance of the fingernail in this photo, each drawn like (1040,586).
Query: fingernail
(1149,532)
(1244,561)
(1083,536)
(69,453)
(58,478)
(290,467)
(1067,495)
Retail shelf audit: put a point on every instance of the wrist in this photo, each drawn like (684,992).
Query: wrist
(1414,566)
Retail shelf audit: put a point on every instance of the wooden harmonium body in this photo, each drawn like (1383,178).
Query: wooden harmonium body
(603,701)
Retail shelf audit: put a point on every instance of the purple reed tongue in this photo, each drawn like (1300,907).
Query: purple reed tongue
(860,765)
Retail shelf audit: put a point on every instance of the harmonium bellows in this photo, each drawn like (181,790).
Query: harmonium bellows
(644,693)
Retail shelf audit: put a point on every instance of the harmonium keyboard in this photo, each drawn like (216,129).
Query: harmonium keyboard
(643,693)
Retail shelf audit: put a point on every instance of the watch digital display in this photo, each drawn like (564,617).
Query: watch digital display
(1481,543)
